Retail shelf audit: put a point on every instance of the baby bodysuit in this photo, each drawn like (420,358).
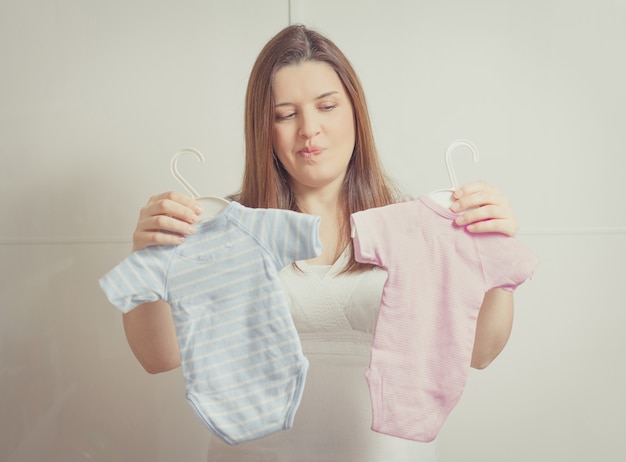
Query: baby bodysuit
(241,356)
(438,274)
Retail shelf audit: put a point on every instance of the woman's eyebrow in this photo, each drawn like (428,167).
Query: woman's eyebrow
(322,96)
(328,93)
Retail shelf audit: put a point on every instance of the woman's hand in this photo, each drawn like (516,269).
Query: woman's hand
(484,209)
(165,220)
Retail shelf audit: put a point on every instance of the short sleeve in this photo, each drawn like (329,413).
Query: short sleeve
(302,237)
(362,225)
(139,278)
(506,262)
(290,236)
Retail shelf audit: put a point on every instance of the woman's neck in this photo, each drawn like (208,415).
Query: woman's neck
(332,224)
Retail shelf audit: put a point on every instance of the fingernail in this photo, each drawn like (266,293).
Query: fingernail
(197,208)
(455,206)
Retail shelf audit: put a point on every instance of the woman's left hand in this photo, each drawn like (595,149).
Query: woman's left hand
(484,209)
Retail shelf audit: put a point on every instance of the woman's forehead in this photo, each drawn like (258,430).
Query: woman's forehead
(306,80)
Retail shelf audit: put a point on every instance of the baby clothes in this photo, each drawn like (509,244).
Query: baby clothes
(438,274)
(241,356)
(335,315)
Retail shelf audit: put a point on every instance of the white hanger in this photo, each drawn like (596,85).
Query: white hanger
(211,205)
(444,196)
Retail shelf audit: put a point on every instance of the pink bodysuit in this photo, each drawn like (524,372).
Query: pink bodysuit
(438,274)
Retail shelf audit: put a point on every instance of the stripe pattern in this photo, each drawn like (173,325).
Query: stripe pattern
(241,356)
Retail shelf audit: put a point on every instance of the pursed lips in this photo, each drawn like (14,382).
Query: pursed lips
(309,151)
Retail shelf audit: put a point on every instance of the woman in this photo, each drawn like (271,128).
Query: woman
(309,148)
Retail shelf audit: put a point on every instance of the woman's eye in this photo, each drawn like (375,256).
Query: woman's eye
(328,107)
(285,116)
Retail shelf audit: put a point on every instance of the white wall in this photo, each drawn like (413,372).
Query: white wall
(95,97)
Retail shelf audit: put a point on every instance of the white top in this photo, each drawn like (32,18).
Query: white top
(335,315)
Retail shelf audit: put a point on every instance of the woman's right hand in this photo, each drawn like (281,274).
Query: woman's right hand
(165,220)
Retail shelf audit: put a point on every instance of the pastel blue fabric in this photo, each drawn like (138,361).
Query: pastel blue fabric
(241,356)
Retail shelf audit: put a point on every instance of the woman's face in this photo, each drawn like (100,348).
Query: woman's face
(314,130)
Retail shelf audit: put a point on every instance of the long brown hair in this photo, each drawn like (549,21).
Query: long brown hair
(265,182)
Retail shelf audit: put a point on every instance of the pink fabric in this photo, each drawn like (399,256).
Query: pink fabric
(437,277)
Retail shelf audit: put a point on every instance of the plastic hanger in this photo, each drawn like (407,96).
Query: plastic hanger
(211,205)
(444,196)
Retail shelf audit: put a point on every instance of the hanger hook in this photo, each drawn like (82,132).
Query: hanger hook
(455,144)
(176,173)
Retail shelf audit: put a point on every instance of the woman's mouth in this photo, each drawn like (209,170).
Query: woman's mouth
(310,151)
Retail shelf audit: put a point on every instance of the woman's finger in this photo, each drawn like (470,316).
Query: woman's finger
(165,219)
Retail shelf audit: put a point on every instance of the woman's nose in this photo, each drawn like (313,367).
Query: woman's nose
(309,125)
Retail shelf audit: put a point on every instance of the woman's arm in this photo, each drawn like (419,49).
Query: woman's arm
(493,328)
(486,210)
(149,328)
(151,336)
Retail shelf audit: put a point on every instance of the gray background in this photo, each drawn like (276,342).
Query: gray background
(95,98)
